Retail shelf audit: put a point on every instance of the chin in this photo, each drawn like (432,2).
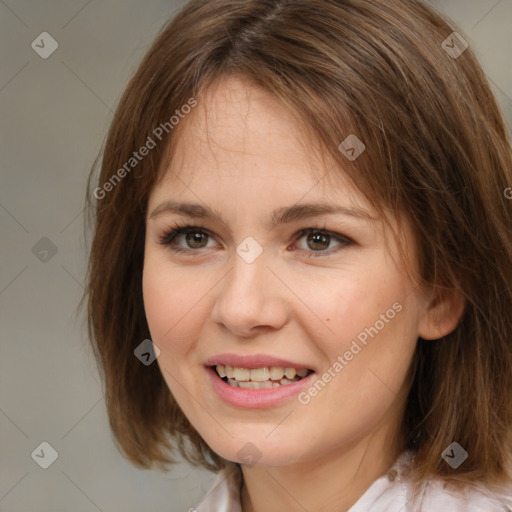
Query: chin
(256,450)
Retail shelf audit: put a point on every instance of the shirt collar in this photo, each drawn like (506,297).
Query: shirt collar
(224,495)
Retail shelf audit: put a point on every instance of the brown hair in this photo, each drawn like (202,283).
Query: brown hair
(437,152)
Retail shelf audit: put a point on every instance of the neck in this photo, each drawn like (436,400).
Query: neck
(333,481)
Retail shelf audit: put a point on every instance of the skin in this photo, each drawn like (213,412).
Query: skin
(240,153)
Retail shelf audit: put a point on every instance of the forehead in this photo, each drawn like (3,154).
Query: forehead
(241,138)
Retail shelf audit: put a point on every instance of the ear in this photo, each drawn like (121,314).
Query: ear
(442,314)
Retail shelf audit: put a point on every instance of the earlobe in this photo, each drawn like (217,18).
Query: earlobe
(442,315)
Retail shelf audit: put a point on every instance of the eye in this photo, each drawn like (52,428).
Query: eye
(319,239)
(197,237)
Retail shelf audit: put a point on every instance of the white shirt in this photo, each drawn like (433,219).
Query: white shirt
(390,493)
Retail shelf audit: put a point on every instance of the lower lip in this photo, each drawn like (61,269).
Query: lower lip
(256,398)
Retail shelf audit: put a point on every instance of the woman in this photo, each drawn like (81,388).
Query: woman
(301,204)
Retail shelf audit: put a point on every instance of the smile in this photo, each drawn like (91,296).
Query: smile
(260,378)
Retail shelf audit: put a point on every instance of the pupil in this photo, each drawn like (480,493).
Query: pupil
(194,237)
(320,238)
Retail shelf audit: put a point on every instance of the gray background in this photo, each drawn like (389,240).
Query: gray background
(54,116)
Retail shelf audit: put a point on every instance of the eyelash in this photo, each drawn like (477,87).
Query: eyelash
(178,229)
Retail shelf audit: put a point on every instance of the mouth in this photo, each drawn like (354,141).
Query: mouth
(265,377)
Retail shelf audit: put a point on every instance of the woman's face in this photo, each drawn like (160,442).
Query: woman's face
(244,295)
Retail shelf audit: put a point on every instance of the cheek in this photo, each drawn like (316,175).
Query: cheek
(177,307)
(343,304)
(370,358)
(172,321)
(168,304)
(167,293)
(370,320)
(157,299)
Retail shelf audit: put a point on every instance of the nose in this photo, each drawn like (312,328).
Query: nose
(251,299)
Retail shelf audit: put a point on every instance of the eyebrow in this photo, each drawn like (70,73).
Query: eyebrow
(279,216)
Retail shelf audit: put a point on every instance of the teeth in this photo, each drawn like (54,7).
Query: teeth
(290,373)
(255,385)
(269,376)
(242,374)
(260,374)
(233,382)
(276,373)
(261,385)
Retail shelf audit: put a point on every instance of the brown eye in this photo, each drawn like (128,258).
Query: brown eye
(318,241)
(195,239)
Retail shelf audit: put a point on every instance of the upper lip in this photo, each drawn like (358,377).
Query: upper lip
(252,361)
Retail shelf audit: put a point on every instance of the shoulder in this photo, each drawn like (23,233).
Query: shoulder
(394,491)
(471,498)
